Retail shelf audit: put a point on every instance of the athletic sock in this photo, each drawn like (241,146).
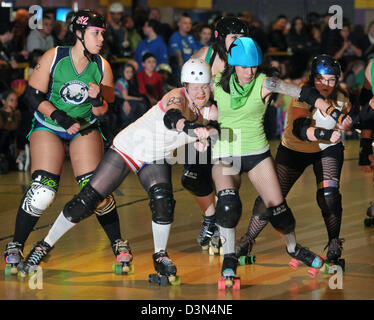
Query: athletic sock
(110,224)
(59,228)
(24,225)
(160,235)
(227,236)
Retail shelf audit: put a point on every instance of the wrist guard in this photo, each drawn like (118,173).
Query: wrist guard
(323,134)
(309,95)
(61,118)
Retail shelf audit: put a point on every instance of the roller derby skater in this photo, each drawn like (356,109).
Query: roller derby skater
(236,92)
(171,123)
(13,255)
(312,138)
(61,120)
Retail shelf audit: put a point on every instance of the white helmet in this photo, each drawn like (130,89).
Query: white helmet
(196,71)
(116,7)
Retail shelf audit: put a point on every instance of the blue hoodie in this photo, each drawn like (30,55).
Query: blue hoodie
(156,46)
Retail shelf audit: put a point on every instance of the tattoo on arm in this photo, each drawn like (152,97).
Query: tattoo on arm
(277,85)
(37,67)
(178,101)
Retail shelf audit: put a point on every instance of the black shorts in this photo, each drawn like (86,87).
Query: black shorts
(246,163)
(301,160)
(201,176)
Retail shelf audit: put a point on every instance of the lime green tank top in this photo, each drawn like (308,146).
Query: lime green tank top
(68,90)
(242,129)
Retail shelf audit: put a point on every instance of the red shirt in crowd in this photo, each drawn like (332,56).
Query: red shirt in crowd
(154,85)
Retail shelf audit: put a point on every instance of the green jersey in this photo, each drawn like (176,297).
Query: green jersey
(68,90)
(242,129)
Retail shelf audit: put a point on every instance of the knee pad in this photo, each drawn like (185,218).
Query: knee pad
(82,205)
(228,208)
(330,201)
(281,218)
(105,206)
(162,203)
(41,192)
(197,182)
(260,210)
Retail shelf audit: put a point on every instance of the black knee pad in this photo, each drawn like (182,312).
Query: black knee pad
(228,208)
(281,218)
(162,203)
(330,201)
(260,210)
(197,180)
(41,192)
(83,204)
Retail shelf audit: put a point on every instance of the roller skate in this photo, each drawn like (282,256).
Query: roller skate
(122,251)
(36,255)
(215,244)
(208,228)
(334,252)
(243,251)
(166,270)
(228,278)
(308,257)
(369,222)
(13,255)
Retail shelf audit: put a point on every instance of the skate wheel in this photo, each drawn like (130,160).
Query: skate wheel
(325,268)
(236,284)
(176,282)
(131,269)
(204,248)
(211,251)
(367,223)
(294,263)
(8,270)
(242,260)
(312,272)
(251,259)
(153,278)
(221,283)
(229,283)
(21,274)
(163,281)
(117,268)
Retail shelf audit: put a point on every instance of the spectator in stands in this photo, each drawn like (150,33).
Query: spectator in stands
(181,44)
(165,71)
(165,30)
(41,38)
(368,43)
(150,81)
(59,31)
(348,48)
(69,39)
(7,57)
(20,33)
(132,34)
(277,35)
(204,36)
(9,121)
(132,104)
(297,38)
(315,41)
(153,43)
(118,42)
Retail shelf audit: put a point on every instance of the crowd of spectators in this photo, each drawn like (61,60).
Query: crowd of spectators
(147,56)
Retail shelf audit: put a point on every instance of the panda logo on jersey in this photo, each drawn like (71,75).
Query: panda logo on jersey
(74,92)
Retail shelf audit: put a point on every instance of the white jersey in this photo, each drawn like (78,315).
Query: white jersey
(148,140)
(326,122)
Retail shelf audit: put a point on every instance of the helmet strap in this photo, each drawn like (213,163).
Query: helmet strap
(86,53)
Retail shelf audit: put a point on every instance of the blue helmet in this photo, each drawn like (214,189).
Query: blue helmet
(244,52)
(325,64)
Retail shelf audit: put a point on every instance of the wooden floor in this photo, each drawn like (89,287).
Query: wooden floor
(80,263)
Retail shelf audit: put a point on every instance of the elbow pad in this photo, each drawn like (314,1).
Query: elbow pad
(34,98)
(171,117)
(309,95)
(365,96)
(300,126)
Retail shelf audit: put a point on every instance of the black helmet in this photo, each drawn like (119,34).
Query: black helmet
(325,64)
(230,25)
(87,18)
